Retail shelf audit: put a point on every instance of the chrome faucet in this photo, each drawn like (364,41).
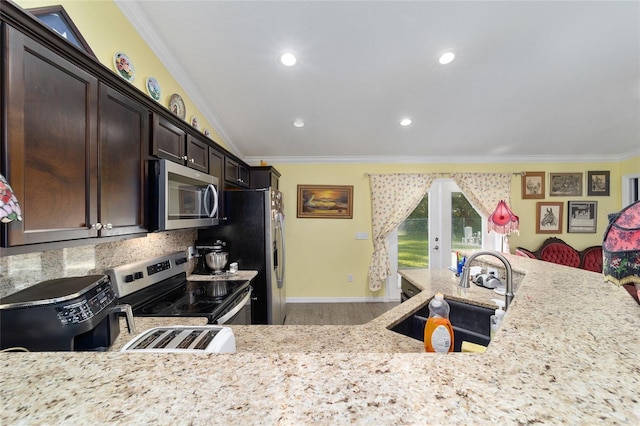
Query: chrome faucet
(464,277)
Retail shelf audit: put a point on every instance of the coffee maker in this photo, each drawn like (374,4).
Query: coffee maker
(211,258)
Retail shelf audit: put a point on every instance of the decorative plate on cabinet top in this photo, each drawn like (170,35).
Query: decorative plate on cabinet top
(207,133)
(124,67)
(176,105)
(194,123)
(153,88)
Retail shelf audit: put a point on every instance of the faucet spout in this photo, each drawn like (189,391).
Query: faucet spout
(464,276)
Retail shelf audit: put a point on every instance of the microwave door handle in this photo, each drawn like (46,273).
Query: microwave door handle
(214,213)
(210,190)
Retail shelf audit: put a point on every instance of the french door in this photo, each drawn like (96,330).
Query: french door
(444,221)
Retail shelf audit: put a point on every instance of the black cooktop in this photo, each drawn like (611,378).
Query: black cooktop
(179,297)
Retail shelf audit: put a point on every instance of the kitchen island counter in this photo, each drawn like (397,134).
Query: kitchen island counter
(560,357)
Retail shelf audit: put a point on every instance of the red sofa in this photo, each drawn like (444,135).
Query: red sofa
(557,251)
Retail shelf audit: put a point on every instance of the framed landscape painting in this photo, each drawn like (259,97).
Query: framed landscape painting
(565,184)
(548,217)
(325,201)
(582,217)
(532,185)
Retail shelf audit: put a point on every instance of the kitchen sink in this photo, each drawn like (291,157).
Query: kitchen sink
(470,323)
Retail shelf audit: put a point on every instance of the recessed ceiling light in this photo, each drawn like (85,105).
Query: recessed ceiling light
(298,123)
(288,59)
(446,58)
(405,122)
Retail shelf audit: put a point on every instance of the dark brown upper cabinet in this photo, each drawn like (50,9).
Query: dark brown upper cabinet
(197,154)
(175,144)
(52,143)
(124,135)
(236,174)
(74,149)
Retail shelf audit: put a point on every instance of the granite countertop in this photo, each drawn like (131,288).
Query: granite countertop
(568,352)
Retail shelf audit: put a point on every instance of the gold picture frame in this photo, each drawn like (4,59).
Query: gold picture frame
(325,201)
(533,185)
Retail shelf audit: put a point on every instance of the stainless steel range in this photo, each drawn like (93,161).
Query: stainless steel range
(159,287)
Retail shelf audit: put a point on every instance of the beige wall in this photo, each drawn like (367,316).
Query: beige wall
(322,252)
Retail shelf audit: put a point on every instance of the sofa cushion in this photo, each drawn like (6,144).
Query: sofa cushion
(591,259)
(557,251)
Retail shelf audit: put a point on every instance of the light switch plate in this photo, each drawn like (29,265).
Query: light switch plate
(362,235)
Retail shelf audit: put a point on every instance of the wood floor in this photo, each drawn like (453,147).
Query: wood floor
(335,313)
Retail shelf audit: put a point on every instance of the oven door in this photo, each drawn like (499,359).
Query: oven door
(238,311)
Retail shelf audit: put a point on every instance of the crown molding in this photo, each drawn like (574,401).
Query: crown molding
(440,159)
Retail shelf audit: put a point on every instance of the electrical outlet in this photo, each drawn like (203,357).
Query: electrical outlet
(350,278)
(362,235)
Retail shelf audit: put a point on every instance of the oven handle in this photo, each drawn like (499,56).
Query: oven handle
(226,317)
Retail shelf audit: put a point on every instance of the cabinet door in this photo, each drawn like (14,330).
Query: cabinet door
(231,171)
(124,132)
(197,154)
(51,145)
(168,140)
(243,175)
(235,173)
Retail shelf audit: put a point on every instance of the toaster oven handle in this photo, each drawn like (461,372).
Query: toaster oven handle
(128,313)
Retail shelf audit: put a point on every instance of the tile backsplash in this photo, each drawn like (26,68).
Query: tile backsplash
(24,270)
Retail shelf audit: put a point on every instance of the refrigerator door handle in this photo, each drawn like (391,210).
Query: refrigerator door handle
(280,271)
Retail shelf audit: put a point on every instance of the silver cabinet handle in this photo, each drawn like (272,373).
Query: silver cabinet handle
(193,160)
(184,157)
(108,226)
(96,226)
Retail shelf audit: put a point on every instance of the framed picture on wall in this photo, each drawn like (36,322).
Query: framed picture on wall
(57,19)
(325,201)
(598,183)
(548,217)
(582,217)
(565,184)
(532,185)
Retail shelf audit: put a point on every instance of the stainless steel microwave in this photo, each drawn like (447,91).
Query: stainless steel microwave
(186,198)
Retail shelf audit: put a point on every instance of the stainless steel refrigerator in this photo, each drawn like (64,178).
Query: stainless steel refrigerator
(254,233)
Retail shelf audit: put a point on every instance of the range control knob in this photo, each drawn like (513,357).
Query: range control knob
(128,278)
(138,275)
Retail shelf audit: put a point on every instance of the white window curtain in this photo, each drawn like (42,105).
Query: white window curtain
(393,198)
(485,190)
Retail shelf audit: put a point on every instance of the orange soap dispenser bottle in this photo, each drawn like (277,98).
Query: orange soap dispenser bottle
(438,333)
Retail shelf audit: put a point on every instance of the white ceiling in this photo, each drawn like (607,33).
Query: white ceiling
(532,81)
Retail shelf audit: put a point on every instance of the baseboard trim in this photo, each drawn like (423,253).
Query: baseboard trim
(338,300)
